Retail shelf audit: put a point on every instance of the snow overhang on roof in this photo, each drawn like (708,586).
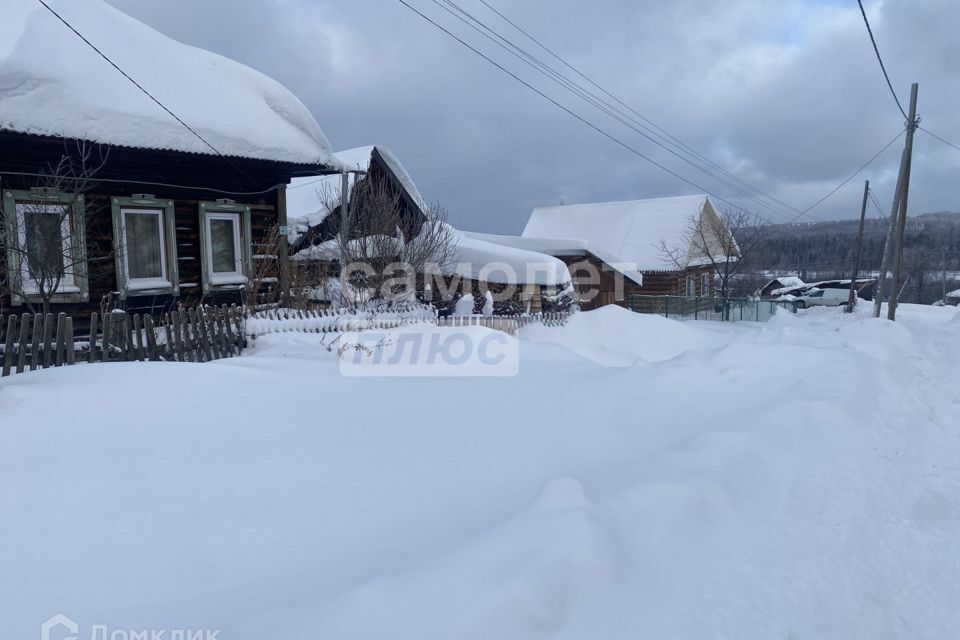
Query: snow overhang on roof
(563,247)
(631,232)
(486,261)
(54,84)
(308,197)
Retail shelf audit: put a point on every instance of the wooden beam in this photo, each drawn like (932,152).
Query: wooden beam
(283,248)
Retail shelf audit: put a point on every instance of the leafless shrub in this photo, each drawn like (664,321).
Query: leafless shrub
(44,239)
(385,246)
(723,242)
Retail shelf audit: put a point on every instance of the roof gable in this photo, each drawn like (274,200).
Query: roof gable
(631,232)
(304,195)
(54,84)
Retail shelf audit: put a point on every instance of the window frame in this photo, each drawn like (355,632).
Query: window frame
(240,215)
(168,247)
(74,286)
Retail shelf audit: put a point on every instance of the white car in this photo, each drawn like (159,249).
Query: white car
(816,297)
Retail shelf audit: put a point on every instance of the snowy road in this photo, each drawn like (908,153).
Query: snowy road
(639,478)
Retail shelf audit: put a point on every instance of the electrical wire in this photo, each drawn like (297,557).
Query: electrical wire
(145,92)
(883,67)
(152,184)
(936,137)
(852,175)
(663,133)
(627,146)
(599,103)
(560,106)
(875,203)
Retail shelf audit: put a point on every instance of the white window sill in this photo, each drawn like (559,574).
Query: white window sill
(140,284)
(62,289)
(217,279)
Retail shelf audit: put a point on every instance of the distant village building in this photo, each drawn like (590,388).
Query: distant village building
(520,279)
(627,244)
(952,298)
(174,210)
(780,285)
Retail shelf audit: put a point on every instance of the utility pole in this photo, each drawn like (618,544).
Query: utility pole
(902,220)
(852,300)
(944,281)
(887,257)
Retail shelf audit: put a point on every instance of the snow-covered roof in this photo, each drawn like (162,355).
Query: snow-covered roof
(478,260)
(305,206)
(552,246)
(789,281)
(953,294)
(627,232)
(785,283)
(54,84)
(562,247)
(494,262)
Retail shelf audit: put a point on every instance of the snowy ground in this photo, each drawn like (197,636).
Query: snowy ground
(640,478)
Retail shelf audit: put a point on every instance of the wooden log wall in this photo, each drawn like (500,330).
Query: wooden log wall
(136,167)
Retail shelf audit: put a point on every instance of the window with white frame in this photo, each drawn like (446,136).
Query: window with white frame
(45,253)
(225,244)
(143,248)
(146,259)
(705,284)
(691,287)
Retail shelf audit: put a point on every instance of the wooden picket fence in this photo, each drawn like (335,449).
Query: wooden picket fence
(200,334)
(508,324)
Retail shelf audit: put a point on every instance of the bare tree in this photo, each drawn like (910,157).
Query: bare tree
(384,246)
(45,234)
(723,242)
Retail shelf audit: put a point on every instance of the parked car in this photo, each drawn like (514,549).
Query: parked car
(815,297)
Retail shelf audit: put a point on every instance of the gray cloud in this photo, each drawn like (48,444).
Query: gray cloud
(786,94)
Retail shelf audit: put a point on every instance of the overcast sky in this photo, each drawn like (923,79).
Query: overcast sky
(786,94)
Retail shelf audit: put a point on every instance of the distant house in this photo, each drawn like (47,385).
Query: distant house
(778,286)
(952,298)
(628,244)
(535,278)
(179,209)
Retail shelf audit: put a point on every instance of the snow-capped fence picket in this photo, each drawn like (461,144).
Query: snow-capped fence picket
(282,320)
(508,324)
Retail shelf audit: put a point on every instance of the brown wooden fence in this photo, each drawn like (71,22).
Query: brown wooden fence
(201,334)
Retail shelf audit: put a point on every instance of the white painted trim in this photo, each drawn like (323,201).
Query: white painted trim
(225,277)
(137,284)
(28,285)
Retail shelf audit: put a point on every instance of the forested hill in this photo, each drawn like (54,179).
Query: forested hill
(828,246)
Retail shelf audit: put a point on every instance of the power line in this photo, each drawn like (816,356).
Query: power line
(613,111)
(852,175)
(625,145)
(665,134)
(936,137)
(880,60)
(876,204)
(564,108)
(153,184)
(145,92)
(304,184)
